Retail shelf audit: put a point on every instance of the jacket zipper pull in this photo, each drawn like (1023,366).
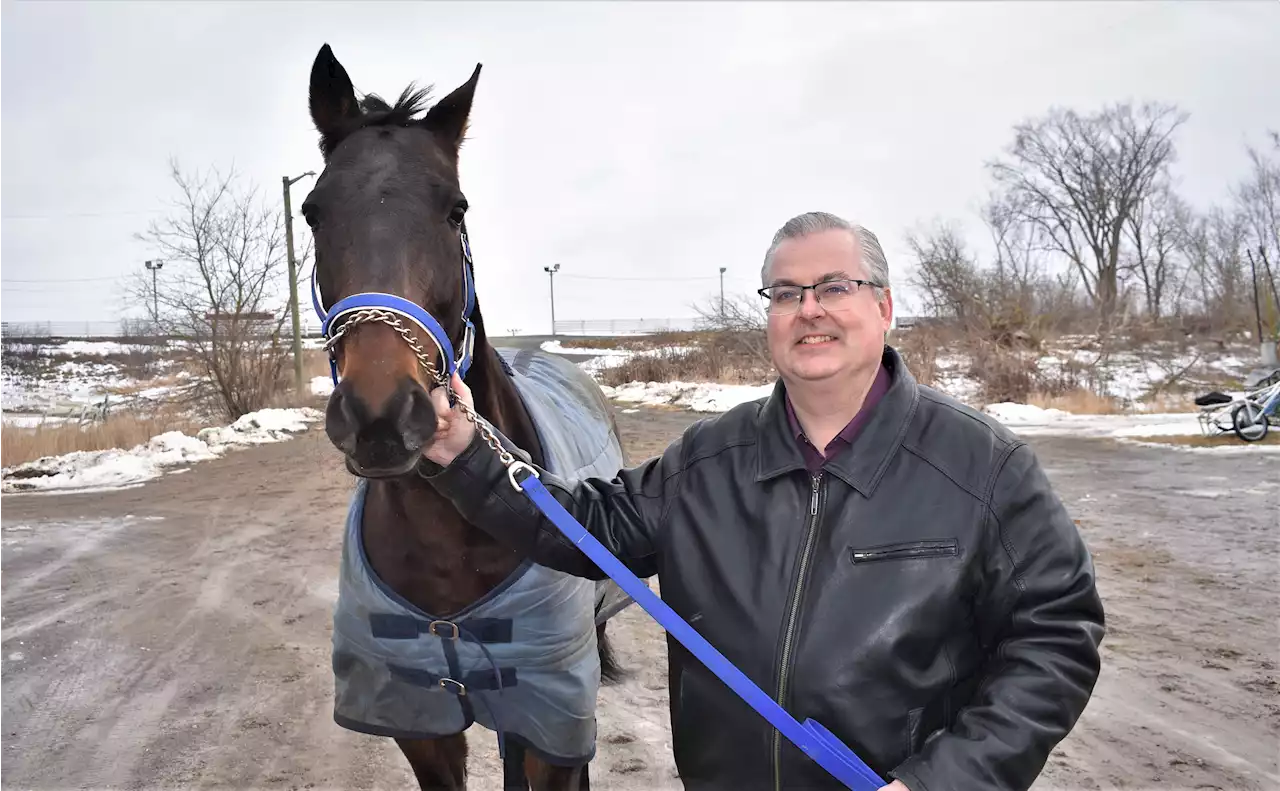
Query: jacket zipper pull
(813,500)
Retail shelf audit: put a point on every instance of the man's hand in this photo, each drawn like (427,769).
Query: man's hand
(896,785)
(453,430)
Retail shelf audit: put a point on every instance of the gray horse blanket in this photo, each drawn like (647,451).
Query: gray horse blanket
(523,661)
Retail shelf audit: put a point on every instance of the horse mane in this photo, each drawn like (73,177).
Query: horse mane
(376,111)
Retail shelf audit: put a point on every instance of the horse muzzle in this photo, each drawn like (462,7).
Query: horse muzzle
(380,442)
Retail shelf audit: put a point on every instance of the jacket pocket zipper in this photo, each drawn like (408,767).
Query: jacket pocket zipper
(785,668)
(905,551)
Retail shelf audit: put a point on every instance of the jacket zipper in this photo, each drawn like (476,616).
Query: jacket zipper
(785,669)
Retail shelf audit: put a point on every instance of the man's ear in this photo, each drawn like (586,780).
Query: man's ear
(333,100)
(448,118)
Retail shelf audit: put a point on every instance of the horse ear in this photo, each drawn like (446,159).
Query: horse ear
(448,118)
(333,99)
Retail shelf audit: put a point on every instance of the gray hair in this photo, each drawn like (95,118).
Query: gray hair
(817,221)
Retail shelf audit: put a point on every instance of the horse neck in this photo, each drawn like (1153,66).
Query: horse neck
(416,540)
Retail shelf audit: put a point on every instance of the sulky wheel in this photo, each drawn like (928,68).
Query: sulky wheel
(1249,422)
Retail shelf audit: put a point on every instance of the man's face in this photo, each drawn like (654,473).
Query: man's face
(815,343)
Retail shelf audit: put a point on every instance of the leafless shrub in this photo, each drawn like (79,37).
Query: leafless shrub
(224,254)
(737,325)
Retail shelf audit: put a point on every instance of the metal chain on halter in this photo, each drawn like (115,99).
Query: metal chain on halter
(386,317)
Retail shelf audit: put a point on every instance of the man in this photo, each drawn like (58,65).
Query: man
(871,553)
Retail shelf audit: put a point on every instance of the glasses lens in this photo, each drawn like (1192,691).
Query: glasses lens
(835,294)
(784,299)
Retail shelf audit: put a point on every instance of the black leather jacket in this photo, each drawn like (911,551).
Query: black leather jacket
(926,596)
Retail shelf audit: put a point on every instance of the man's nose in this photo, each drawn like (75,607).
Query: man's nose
(810,307)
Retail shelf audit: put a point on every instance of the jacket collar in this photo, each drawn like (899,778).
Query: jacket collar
(863,463)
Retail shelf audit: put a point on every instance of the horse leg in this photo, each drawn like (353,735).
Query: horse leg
(439,764)
(546,777)
(610,671)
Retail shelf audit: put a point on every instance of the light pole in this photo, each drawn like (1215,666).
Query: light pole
(154,265)
(293,280)
(722,293)
(551,273)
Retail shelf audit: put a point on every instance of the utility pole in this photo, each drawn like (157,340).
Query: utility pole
(154,265)
(293,281)
(551,273)
(722,293)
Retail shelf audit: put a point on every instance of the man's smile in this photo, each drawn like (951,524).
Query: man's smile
(816,339)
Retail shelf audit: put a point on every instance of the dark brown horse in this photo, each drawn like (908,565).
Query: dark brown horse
(387,215)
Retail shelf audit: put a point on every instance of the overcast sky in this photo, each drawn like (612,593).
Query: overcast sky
(649,142)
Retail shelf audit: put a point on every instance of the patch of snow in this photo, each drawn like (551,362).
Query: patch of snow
(556,347)
(603,359)
(77,348)
(1011,413)
(694,396)
(115,468)
(321,385)
(1028,420)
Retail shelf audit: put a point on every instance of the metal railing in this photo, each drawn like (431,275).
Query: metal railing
(627,326)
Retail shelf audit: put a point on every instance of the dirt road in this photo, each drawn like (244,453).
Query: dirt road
(177,634)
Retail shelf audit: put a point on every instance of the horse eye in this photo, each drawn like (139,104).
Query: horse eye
(459,211)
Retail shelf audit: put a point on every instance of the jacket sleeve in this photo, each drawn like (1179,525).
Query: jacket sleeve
(624,513)
(1041,621)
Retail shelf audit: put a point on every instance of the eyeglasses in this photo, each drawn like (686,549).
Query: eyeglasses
(831,295)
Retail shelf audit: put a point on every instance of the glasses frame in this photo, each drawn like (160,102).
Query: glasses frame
(765,292)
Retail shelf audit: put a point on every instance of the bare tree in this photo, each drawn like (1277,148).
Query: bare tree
(1077,179)
(1013,293)
(1155,233)
(1258,199)
(1218,269)
(224,289)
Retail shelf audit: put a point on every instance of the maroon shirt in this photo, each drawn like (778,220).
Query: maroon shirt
(812,458)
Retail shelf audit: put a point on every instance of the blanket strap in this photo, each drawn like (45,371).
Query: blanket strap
(461,684)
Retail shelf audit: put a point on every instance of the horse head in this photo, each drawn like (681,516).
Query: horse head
(393,279)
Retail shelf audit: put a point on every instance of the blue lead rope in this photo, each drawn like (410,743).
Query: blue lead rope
(814,740)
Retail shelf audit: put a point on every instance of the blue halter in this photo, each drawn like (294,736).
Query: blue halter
(332,319)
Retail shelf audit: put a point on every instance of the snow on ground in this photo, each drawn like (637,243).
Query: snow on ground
(321,386)
(694,396)
(602,359)
(1129,380)
(57,388)
(1027,420)
(116,468)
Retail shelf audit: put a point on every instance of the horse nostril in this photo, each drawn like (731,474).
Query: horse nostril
(342,418)
(416,418)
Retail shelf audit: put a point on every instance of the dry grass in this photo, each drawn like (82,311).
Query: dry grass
(1218,440)
(1172,402)
(315,362)
(124,431)
(718,360)
(657,340)
(1079,402)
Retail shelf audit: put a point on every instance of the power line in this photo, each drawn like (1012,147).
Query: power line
(59,216)
(53,281)
(644,279)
